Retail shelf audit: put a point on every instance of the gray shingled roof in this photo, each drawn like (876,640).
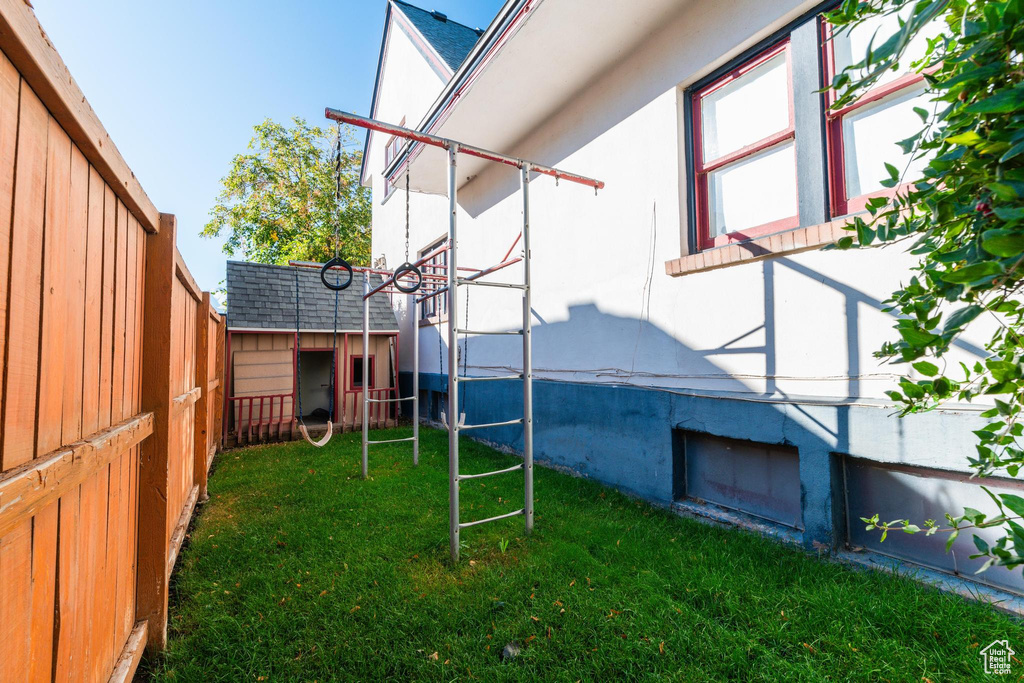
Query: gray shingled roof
(262,296)
(452,40)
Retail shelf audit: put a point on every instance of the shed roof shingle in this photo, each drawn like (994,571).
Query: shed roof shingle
(262,296)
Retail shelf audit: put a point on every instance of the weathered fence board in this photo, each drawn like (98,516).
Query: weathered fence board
(111,400)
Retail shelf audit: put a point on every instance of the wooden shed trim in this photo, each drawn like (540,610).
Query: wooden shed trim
(291,330)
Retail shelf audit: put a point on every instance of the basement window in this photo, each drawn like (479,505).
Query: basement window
(897,491)
(863,135)
(744,151)
(758,479)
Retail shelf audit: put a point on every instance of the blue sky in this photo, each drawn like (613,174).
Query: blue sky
(179,85)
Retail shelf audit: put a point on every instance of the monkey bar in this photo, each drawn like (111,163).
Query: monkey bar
(454,424)
(461,148)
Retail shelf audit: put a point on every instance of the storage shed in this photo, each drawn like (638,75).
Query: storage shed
(268,360)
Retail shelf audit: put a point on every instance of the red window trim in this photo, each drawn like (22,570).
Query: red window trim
(352,371)
(702,169)
(431,310)
(841,204)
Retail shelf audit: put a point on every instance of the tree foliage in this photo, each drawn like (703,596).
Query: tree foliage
(279,199)
(964,219)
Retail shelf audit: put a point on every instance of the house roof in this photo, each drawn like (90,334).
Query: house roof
(262,296)
(450,39)
(569,56)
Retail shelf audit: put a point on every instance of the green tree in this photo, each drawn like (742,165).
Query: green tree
(965,220)
(282,200)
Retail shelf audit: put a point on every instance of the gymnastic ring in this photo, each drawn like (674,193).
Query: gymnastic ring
(337,286)
(402,270)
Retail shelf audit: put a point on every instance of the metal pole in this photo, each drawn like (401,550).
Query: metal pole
(435,141)
(527,358)
(414,317)
(453,358)
(366,374)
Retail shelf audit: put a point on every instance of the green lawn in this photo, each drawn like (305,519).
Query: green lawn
(298,570)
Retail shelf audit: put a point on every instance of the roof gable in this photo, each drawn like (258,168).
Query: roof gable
(262,296)
(443,43)
(450,39)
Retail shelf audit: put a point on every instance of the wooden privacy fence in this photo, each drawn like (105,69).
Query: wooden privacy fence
(111,388)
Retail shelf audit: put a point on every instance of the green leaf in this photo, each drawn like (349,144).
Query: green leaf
(1008,214)
(973,272)
(1003,102)
(894,176)
(1002,370)
(927,369)
(967,138)
(952,537)
(1012,152)
(1015,503)
(865,235)
(1003,242)
(962,317)
(981,545)
(916,337)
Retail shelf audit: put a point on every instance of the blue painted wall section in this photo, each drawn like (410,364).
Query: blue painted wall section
(623,436)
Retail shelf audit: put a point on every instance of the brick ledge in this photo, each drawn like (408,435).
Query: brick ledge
(760,248)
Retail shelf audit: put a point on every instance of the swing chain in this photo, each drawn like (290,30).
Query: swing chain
(337,185)
(407,216)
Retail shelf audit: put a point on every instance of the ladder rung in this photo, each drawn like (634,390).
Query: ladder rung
(507,285)
(492,424)
(491,519)
(515,332)
(490,474)
(390,400)
(411,438)
(488,379)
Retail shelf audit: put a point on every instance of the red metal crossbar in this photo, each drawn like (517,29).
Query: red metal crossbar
(443,143)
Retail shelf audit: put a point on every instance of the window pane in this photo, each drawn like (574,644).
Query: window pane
(870,135)
(748,109)
(851,46)
(753,191)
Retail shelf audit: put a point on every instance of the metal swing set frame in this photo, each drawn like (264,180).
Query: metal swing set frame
(435,285)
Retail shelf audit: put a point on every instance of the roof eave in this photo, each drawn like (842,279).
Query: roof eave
(512,10)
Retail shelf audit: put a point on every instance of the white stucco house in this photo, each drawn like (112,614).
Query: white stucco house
(692,343)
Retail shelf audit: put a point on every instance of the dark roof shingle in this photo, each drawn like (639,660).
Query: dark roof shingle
(262,296)
(452,40)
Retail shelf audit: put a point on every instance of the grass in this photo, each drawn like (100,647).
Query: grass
(298,570)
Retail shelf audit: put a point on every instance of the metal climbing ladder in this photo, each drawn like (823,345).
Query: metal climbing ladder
(526,168)
(415,398)
(456,525)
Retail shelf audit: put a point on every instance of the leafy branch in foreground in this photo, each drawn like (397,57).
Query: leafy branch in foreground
(965,221)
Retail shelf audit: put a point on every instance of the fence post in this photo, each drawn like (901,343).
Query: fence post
(221,406)
(201,447)
(151,597)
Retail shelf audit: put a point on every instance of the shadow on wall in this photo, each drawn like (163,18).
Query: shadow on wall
(590,419)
